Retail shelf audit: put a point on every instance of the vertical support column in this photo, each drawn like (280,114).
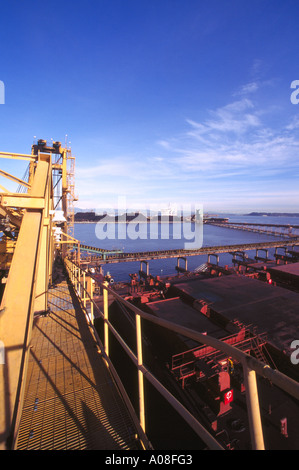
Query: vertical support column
(75,278)
(178,262)
(106,327)
(262,249)
(140,374)
(45,255)
(84,289)
(17,308)
(147,266)
(64,198)
(91,299)
(216,256)
(51,250)
(79,281)
(78,255)
(41,299)
(253,407)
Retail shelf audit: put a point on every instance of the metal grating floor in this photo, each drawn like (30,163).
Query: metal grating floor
(71,401)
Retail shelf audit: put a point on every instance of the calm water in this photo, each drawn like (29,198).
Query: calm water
(91,234)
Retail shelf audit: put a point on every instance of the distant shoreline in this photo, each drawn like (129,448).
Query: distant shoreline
(126,218)
(111,220)
(273,214)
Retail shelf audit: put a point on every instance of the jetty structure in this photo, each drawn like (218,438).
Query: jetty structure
(84,359)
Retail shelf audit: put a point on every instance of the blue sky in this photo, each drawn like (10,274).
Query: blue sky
(163,101)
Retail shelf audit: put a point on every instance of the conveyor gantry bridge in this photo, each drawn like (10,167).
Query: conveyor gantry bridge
(118,256)
(277,230)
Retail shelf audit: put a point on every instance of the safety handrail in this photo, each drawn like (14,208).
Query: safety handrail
(250,365)
(75,273)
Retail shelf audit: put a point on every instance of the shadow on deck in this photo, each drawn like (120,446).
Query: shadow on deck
(71,400)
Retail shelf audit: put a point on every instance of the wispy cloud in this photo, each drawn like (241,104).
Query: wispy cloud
(234,157)
(251,87)
(294,124)
(236,117)
(234,137)
(140,179)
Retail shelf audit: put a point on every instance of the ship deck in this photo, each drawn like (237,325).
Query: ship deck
(270,309)
(286,272)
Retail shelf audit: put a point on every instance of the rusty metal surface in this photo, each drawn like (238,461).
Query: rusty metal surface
(286,270)
(270,308)
(71,401)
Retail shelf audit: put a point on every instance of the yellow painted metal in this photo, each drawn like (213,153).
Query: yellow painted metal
(30,272)
(64,197)
(32,166)
(17,310)
(45,255)
(4,189)
(14,216)
(17,156)
(24,201)
(79,282)
(106,319)
(7,247)
(14,178)
(66,238)
(90,288)
(65,163)
(255,424)
(140,373)
(84,289)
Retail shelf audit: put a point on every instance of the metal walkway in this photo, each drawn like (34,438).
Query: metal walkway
(205,250)
(71,401)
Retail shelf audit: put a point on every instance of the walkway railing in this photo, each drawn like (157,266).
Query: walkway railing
(251,366)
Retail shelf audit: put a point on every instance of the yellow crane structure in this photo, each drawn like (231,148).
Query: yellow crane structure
(30,229)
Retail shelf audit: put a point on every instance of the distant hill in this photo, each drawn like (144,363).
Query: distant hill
(274,214)
(93,217)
